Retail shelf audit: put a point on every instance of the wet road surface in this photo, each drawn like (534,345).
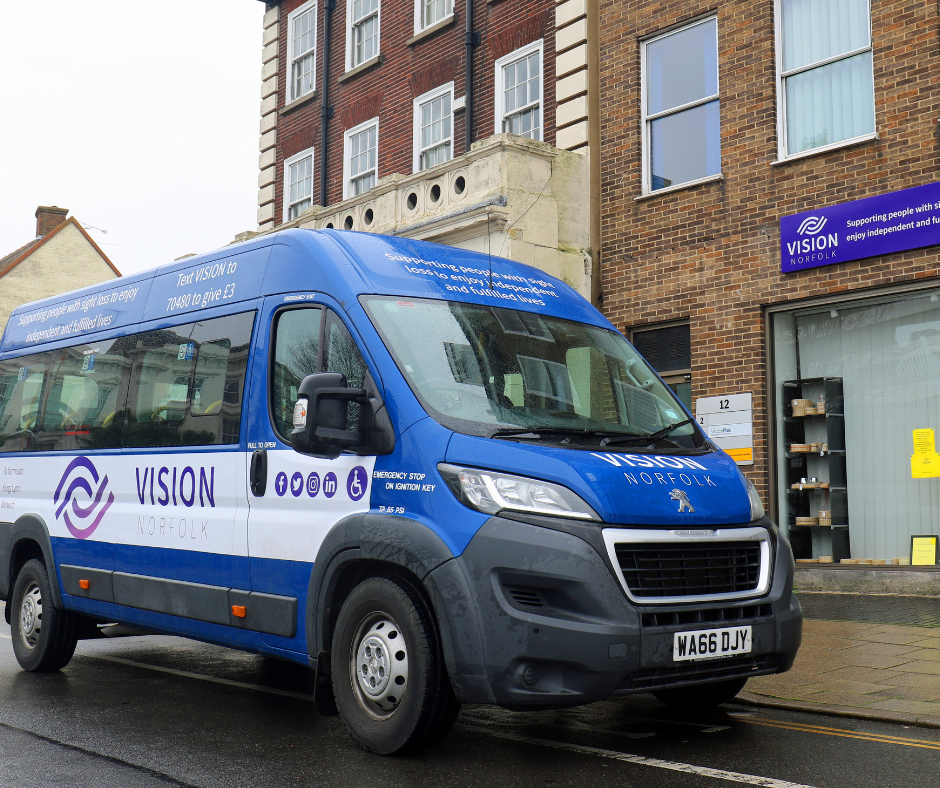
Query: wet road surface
(158,711)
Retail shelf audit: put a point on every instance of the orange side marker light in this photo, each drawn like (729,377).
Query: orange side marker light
(84,584)
(239,611)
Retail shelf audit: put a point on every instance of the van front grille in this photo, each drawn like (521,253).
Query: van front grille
(701,569)
(674,618)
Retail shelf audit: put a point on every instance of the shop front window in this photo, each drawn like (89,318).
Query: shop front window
(851,383)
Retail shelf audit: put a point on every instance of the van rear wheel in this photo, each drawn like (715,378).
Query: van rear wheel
(704,696)
(389,679)
(44,637)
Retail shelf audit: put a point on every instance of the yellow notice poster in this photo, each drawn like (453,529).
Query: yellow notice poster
(925,462)
(923,550)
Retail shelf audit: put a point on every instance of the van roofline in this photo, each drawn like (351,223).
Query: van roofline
(342,264)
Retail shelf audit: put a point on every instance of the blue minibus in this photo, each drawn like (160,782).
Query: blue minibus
(432,476)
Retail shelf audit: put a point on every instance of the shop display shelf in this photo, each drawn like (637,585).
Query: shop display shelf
(791,419)
(803,430)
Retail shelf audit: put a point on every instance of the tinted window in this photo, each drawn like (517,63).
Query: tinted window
(296,355)
(306,341)
(188,382)
(70,399)
(341,353)
(22,382)
(86,396)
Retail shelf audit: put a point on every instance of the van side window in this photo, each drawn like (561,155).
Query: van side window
(308,340)
(341,354)
(87,393)
(21,389)
(187,383)
(296,355)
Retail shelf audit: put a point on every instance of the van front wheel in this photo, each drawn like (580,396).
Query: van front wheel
(44,637)
(389,678)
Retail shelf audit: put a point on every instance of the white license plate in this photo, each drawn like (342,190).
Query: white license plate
(711,643)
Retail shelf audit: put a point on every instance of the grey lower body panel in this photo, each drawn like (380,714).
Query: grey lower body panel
(267,613)
(6,547)
(552,626)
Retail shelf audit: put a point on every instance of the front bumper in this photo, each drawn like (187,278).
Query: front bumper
(533,616)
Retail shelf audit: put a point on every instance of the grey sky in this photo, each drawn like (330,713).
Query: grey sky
(140,118)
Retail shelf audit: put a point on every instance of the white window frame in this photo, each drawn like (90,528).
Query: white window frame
(350,47)
(505,60)
(647,120)
(347,137)
(782,153)
(419,15)
(297,157)
(291,19)
(431,95)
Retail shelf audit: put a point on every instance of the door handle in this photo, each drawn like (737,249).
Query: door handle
(259,472)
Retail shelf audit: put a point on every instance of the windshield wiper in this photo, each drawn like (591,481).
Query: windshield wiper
(565,431)
(651,438)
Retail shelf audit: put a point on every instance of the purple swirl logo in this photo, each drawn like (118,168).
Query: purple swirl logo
(812,225)
(75,478)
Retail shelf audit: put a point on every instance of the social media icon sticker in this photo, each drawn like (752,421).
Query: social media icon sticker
(329,485)
(313,484)
(296,484)
(356,483)
(280,483)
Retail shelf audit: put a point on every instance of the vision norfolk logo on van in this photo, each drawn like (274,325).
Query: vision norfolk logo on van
(77,476)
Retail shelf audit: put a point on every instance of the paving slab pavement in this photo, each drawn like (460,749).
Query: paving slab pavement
(868,656)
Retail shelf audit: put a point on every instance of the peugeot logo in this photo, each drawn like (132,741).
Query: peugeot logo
(76,474)
(683,498)
(812,225)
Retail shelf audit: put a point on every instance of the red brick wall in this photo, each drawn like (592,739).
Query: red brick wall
(407,72)
(710,253)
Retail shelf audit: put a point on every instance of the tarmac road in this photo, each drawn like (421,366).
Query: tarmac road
(158,711)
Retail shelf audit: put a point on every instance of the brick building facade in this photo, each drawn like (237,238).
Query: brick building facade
(783,107)
(387,149)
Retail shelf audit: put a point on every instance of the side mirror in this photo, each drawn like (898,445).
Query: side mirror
(320,419)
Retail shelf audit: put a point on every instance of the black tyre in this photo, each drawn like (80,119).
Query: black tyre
(44,637)
(704,696)
(389,679)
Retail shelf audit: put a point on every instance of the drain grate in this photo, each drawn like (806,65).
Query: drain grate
(915,611)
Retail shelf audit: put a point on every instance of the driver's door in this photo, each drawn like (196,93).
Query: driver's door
(296,499)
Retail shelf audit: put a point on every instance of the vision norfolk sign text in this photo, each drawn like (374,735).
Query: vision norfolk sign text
(888,223)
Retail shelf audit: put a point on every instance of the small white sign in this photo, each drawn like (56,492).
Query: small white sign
(729,422)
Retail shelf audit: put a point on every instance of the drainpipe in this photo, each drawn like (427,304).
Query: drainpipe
(471,40)
(326,111)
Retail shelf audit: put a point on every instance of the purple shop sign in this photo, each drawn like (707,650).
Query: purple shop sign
(888,223)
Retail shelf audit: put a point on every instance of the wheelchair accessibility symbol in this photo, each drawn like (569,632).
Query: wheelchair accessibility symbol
(356,483)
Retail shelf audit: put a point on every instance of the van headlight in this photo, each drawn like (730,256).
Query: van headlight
(757,506)
(491,492)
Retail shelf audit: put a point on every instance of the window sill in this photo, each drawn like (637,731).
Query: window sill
(447,21)
(826,149)
(355,72)
(680,186)
(297,103)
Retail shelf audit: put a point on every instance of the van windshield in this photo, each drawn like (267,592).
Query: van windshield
(511,374)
